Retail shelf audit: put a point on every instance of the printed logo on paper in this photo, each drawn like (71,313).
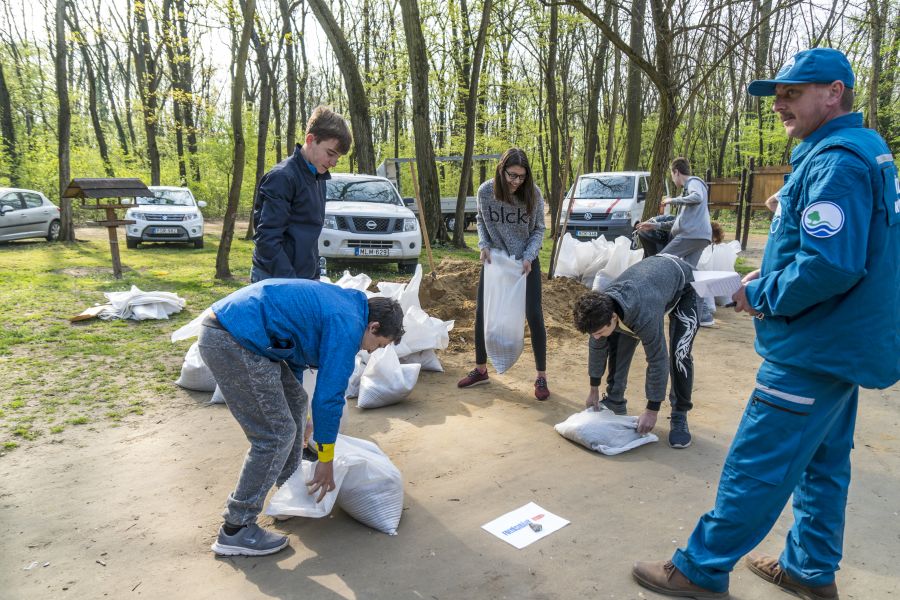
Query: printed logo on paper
(823,219)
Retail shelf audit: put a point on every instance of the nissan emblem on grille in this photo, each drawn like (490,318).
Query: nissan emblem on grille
(371,224)
(588,216)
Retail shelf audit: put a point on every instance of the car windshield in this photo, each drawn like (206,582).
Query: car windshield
(361,191)
(168,198)
(604,186)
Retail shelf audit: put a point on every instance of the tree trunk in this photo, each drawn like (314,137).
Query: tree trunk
(287,34)
(876,35)
(265,110)
(356,92)
(145,69)
(635,94)
(64,125)
(104,68)
(471,117)
(186,85)
(418,74)
(591,135)
(8,130)
(102,147)
(552,107)
(172,47)
(613,114)
(237,125)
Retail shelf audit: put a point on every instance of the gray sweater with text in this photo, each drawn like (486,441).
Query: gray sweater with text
(509,227)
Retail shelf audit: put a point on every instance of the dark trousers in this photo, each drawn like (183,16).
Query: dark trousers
(534,314)
(684,321)
(612,355)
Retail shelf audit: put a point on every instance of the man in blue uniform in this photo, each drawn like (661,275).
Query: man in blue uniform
(257,343)
(289,211)
(826,302)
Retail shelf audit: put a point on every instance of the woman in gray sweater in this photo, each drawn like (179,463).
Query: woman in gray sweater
(511,219)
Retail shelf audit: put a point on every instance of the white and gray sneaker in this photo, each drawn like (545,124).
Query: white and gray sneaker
(251,540)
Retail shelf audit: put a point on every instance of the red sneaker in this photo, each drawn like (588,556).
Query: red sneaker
(541,391)
(475,377)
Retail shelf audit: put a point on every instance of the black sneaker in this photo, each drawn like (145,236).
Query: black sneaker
(618,408)
(679,434)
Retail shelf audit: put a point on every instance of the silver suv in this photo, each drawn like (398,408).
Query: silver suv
(170,215)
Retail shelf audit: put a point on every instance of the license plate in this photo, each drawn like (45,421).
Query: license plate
(586,233)
(372,252)
(165,230)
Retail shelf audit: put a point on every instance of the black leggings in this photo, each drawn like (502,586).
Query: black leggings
(534,314)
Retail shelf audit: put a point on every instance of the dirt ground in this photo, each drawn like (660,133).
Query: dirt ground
(131,511)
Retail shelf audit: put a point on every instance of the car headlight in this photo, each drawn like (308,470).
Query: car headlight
(191,217)
(134,215)
(330,222)
(620,215)
(410,225)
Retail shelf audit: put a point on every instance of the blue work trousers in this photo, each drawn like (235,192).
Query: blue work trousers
(795,438)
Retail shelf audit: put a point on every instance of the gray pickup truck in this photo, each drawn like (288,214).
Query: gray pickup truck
(448,210)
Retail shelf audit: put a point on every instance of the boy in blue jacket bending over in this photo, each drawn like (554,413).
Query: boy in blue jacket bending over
(257,344)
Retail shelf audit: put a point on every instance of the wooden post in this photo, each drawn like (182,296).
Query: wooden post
(748,205)
(739,213)
(415,182)
(554,253)
(113,242)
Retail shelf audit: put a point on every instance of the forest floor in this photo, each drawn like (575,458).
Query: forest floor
(127,506)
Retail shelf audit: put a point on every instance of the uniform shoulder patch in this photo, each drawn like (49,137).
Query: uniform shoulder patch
(823,219)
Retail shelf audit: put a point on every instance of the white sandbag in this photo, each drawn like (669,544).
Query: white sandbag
(621,257)
(293,499)
(217,397)
(352,390)
(720,257)
(409,297)
(359,282)
(390,289)
(426,358)
(603,431)
(140,305)
(385,381)
(565,261)
(195,375)
(192,329)
(372,491)
(504,310)
(423,332)
(602,251)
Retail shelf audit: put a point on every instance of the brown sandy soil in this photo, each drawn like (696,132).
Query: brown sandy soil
(131,512)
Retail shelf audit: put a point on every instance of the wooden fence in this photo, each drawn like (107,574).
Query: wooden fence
(745,194)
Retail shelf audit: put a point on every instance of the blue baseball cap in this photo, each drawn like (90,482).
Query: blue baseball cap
(819,65)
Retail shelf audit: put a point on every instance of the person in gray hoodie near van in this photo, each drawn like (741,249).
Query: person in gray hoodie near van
(634,308)
(688,233)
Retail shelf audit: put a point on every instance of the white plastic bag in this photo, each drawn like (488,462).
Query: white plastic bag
(195,375)
(720,257)
(293,499)
(385,381)
(409,297)
(621,257)
(192,329)
(426,358)
(372,491)
(602,250)
(504,310)
(423,332)
(603,431)
(359,282)
(352,390)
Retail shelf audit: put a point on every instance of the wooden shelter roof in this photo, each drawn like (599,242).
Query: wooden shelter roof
(106,187)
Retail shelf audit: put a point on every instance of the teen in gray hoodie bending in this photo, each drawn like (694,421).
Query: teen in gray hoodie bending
(635,306)
(511,218)
(687,234)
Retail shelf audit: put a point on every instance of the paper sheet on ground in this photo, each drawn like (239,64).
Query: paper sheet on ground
(515,527)
(716,283)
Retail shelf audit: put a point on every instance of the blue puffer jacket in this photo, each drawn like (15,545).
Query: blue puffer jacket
(306,324)
(288,218)
(830,279)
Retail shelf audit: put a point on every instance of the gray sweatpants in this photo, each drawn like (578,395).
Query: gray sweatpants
(269,405)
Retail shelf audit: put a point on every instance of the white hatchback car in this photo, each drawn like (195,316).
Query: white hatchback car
(366,220)
(27,214)
(171,215)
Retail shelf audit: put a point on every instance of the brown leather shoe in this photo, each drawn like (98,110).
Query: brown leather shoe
(665,578)
(768,568)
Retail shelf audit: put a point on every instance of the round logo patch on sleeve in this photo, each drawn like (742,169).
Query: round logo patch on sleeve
(823,219)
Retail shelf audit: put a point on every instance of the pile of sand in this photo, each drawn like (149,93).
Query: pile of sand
(452,297)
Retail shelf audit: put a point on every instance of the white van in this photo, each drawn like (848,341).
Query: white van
(608,204)
(366,220)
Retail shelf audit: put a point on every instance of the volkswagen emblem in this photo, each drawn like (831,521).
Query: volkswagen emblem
(588,216)
(371,225)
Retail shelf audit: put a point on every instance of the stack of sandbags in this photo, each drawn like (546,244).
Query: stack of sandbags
(595,262)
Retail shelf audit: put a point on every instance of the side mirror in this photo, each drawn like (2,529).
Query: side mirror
(201,204)
(409,201)
(642,196)
(4,209)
